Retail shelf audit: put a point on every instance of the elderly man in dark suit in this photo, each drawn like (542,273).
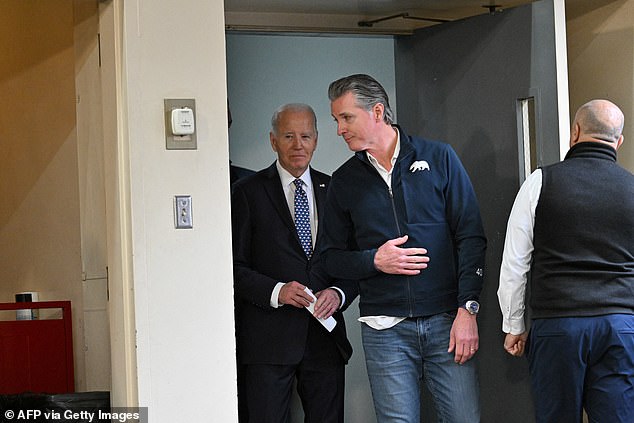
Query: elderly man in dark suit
(276,272)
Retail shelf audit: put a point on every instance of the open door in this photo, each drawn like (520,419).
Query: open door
(488,86)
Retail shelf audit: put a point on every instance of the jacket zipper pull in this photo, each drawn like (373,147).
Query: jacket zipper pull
(398,227)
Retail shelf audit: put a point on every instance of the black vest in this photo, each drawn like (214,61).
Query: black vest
(583,262)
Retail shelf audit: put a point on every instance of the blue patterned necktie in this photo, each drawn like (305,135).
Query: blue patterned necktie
(302,218)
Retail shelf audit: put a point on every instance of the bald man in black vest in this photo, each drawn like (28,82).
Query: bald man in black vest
(572,228)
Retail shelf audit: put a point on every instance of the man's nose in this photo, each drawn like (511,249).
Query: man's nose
(340,129)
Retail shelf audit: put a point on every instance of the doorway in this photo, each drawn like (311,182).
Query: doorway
(458,82)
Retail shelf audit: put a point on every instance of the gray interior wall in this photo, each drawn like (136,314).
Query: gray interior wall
(265,71)
(459,82)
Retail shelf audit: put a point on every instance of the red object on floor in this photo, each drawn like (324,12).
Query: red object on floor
(37,355)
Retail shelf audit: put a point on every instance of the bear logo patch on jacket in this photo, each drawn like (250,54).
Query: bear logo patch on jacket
(419,165)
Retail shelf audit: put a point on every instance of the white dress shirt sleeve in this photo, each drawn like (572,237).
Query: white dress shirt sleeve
(517,256)
(275,295)
(343,296)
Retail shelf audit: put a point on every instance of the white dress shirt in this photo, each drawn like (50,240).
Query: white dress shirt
(517,256)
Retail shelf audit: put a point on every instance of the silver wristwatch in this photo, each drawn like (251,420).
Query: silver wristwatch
(473,307)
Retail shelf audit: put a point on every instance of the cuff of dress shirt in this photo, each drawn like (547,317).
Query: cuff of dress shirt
(514,326)
(275,295)
(342,296)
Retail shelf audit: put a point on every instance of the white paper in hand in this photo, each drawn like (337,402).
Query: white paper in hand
(328,323)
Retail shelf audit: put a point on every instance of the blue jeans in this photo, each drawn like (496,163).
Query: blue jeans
(398,359)
(584,362)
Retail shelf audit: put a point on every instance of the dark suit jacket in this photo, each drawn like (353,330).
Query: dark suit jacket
(266,251)
(237,172)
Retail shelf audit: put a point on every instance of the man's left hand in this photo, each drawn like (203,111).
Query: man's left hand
(463,338)
(327,303)
(515,344)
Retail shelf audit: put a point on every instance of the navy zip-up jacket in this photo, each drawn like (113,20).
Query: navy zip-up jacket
(433,202)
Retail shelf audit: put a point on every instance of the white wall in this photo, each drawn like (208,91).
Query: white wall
(183,287)
(265,71)
(92,209)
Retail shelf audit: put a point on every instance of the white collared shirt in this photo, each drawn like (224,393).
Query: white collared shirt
(518,254)
(385,174)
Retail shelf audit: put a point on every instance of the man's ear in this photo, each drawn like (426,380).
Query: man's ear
(574,133)
(273,141)
(377,111)
(619,142)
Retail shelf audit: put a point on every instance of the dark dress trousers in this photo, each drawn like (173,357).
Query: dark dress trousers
(277,344)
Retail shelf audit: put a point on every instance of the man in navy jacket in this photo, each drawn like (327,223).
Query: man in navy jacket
(403,220)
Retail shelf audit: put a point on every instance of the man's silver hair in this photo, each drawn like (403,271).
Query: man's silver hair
(367,92)
(291,107)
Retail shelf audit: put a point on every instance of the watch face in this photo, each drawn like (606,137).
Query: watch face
(472,307)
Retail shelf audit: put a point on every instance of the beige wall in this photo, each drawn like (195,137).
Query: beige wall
(601,60)
(39,211)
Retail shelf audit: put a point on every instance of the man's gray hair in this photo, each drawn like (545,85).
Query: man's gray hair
(367,92)
(291,107)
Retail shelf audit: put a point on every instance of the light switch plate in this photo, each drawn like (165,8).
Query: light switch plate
(183,212)
(178,142)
